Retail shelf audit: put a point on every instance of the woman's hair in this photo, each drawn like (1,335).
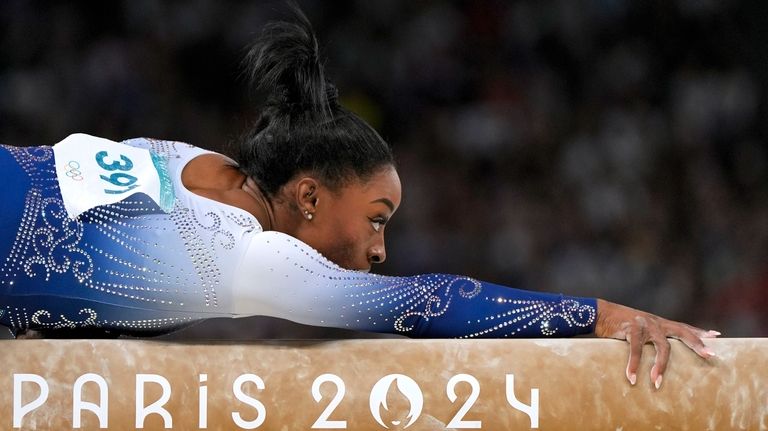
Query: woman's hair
(302,127)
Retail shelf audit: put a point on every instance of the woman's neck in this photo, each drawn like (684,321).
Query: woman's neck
(267,211)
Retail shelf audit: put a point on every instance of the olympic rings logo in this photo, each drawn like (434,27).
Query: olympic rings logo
(73,170)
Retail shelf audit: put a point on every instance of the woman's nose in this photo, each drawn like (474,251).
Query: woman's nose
(377,254)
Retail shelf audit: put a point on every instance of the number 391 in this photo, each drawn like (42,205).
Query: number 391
(120,179)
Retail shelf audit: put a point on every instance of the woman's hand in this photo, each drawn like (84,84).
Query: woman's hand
(639,328)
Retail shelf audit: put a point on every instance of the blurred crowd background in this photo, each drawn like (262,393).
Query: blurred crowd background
(603,148)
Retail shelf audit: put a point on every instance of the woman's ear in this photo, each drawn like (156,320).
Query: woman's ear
(307,190)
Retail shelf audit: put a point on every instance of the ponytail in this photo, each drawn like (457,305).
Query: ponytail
(285,64)
(302,127)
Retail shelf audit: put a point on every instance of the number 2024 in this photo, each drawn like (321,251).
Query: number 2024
(124,180)
(457,422)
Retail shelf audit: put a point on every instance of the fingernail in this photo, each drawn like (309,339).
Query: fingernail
(709,351)
(714,332)
(658,382)
(633,379)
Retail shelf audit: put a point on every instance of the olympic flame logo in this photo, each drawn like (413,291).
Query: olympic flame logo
(407,387)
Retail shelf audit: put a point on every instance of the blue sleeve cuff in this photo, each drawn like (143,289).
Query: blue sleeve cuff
(496,311)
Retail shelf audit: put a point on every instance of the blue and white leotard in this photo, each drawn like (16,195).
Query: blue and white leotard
(151,262)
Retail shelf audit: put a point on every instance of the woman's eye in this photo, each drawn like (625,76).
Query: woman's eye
(377,223)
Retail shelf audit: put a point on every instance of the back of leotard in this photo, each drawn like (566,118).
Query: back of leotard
(126,265)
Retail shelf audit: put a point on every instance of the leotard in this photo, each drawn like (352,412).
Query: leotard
(101,234)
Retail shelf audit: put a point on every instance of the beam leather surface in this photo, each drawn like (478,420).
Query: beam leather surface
(580,382)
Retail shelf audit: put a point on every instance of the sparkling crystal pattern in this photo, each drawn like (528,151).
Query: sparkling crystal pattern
(127,262)
(297,283)
(132,267)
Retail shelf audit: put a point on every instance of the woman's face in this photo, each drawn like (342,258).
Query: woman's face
(348,225)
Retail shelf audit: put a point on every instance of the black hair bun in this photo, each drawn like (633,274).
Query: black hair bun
(284,64)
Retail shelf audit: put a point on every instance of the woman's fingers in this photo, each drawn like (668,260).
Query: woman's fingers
(636,338)
(662,358)
(693,341)
(701,333)
(638,328)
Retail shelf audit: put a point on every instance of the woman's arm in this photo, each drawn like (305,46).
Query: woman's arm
(281,276)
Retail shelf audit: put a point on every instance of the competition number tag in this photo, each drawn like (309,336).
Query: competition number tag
(94,171)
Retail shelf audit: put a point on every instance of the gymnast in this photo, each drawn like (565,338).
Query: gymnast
(145,236)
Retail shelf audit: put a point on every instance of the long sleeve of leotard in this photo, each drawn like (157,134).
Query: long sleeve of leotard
(281,276)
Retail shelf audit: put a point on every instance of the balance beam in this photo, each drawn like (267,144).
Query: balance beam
(548,384)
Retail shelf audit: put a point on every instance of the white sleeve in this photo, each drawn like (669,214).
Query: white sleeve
(280,276)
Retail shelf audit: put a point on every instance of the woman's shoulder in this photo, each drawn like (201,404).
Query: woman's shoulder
(205,173)
(212,171)
(216,177)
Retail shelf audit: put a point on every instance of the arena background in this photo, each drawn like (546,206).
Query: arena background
(601,148)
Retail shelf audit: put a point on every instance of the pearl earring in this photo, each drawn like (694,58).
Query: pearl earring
(308,214)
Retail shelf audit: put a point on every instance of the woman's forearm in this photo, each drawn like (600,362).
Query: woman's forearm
(283,277)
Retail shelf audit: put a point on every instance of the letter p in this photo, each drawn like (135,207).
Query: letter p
(20,411)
